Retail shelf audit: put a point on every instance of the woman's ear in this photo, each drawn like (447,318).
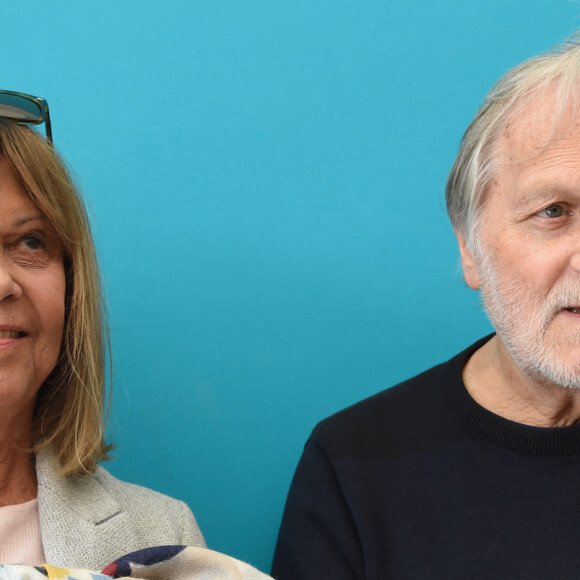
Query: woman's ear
(467,262)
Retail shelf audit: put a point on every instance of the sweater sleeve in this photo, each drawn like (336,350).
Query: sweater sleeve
(318,537)
(191,534)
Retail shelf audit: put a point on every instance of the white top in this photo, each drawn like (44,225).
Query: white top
(20,540)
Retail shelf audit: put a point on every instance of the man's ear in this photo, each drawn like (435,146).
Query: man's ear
(467,262)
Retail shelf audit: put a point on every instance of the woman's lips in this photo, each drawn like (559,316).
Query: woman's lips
(11,334)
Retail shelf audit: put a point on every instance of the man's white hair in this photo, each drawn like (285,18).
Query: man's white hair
(476,162)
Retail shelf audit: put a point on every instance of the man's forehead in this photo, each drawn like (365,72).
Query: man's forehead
(537,154)
(537,124)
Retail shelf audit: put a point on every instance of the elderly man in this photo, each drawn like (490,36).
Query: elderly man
(472,469)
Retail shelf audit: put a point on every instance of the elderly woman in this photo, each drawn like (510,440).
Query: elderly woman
(56,504)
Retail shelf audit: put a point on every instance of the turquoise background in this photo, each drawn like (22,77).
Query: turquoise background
(266,185)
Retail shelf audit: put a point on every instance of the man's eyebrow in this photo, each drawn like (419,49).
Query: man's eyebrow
(31,218)
(541,192)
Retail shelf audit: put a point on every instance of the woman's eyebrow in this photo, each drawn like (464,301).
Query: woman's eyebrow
(32,218)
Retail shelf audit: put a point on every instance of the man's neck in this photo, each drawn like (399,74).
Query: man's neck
(495,382)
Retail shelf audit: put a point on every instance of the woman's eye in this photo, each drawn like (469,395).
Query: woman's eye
(553,211)
(34,249)
(32,243)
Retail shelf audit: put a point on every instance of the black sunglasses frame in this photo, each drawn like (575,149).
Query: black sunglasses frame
(21,102)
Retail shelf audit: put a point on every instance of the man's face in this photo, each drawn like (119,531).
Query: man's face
(527,264)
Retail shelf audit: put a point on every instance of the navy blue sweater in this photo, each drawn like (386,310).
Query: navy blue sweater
(420,481)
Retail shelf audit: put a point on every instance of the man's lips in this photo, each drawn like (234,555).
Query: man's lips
(573,309)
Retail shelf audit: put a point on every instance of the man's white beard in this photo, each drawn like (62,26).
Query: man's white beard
(522,317)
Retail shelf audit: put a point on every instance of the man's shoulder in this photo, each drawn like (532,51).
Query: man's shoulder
(412,410)
(384,417)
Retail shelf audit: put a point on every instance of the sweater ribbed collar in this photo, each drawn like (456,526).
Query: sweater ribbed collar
(540,441)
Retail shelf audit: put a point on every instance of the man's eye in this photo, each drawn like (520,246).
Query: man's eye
(553,211)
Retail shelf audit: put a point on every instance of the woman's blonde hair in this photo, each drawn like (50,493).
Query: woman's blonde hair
(69,415)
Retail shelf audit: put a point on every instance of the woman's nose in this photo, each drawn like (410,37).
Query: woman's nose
(9,287)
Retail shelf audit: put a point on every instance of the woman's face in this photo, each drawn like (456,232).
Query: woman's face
(32,292)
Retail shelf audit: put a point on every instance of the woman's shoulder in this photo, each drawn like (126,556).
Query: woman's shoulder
(126,492)
(100,496)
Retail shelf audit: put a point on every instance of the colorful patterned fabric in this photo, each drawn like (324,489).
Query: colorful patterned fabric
(158,563)
(18,572)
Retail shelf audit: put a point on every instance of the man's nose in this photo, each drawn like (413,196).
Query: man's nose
(9,287)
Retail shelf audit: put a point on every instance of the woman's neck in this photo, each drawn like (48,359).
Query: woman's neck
(17,473)
(17,477)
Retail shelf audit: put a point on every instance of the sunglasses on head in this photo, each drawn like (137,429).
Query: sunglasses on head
(23,108)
